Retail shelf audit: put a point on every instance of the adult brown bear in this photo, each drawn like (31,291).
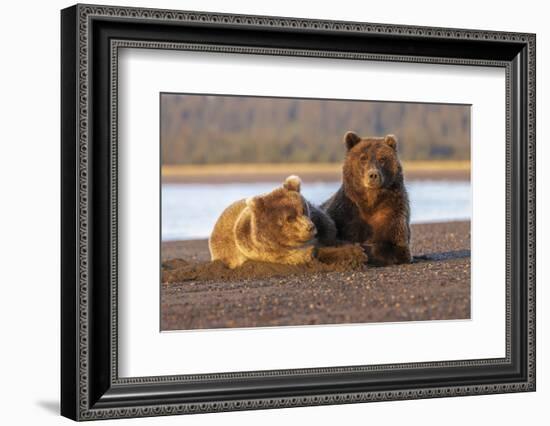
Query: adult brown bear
(372,207)
(278,227)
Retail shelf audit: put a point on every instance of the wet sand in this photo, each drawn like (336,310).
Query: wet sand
(339,288)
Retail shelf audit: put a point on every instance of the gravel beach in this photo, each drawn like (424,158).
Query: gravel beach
(199,294)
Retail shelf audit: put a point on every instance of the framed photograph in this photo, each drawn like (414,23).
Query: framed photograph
(263,212)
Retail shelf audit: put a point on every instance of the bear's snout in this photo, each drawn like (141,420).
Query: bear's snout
(373,178)
(309,230)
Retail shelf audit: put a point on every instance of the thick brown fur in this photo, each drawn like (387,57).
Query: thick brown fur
(372,206)
(278,227)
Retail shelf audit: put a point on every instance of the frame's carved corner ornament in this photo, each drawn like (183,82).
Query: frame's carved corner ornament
(86,13)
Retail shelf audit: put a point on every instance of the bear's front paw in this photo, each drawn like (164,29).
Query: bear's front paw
(351,254)
(386,254)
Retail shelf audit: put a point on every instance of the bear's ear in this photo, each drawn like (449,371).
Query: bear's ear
(293,183)
(351,139)
(391,140)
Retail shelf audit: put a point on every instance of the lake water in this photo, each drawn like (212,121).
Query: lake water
(189,211)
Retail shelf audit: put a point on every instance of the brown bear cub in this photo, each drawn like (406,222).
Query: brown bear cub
(372,207)
(278,227)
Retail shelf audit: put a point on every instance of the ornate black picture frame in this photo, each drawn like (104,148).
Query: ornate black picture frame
(90,385)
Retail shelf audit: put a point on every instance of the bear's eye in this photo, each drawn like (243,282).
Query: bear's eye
(291,218)
(364,157)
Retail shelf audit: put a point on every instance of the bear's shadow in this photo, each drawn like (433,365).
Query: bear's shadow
(438,257)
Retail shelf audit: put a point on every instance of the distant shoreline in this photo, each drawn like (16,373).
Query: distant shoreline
(309,172)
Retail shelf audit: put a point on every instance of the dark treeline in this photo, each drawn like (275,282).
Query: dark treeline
(198,129)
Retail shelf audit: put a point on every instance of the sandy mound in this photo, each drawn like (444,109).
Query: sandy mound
(330,259)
